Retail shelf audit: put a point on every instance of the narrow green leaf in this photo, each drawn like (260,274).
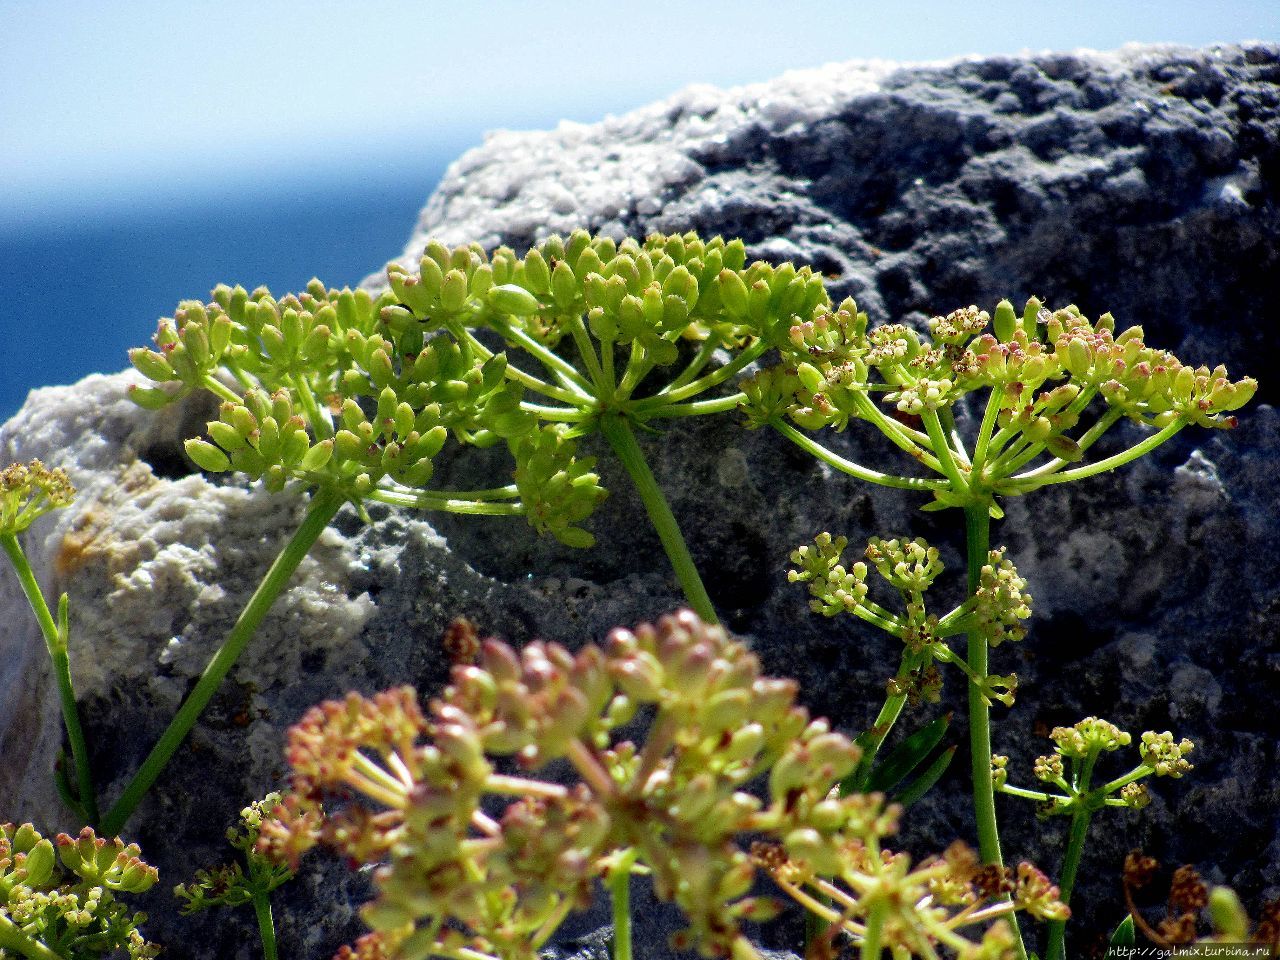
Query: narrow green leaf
(924,783)
(899,763)
(1124,935)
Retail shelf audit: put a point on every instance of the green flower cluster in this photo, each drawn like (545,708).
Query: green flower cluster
(910,567)
(1080,746)
(332,390)
(231,885)
(477,862)
(1043,370)
(30,490)
(880,900)
(69,911)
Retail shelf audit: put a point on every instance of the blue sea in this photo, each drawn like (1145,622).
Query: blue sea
(79,287)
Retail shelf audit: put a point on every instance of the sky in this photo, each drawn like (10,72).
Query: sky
(149,150)
(106,104)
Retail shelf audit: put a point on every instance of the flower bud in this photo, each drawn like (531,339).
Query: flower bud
(206,456)
(811,377)
(512,299)
(151,364)
(1228,914)
(38,864)
(225,435)
(733,294)
(758,301)
(268,440)
(316,457)
(1005,321)
(453,291)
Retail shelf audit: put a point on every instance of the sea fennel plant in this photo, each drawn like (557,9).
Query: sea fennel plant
(1055,383)
(622,312)
(318,392)
(27,492)
(353,396)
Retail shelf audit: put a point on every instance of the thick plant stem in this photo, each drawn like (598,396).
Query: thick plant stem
(618,432)
(266,926)
(324,505)
(977,524)
(620,892)
(12,938)
(56,641)
(1070,865)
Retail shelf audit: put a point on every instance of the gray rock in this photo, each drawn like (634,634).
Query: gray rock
(1142,182)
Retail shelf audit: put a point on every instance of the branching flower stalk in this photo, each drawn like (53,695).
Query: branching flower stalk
(998,606)
(1075,796)
(476,863)
(1190,898)
(26,493)
(232,885)
(1046,374)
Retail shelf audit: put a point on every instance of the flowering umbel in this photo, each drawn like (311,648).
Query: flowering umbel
(998,607)
(30,490)
(70,908)
(472,856)
(1080,746)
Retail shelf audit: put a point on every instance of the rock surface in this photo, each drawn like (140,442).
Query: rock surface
(1142,182)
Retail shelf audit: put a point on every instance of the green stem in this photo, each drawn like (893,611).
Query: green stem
(1019,453)
(582,340)
(620,892)
(1137,773)
(423,501)
(1025,482)
(12,938)
(948,421)
(977,523)
(55,639)
(717,376)
(1070,865)
(575,397)
(878,616)
(1036,795)
(897,434)
(1085,442)
(942,447)
(558,414)
(220,391)
(606,365)
(324,505)
(509,492)
(638,367)
(811,446)
(884,721)
(546,357)
(994,399)
(875,925)
(694,409)
(266,925)
(547,390)
(706,350)
(321,425)
(618,432)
